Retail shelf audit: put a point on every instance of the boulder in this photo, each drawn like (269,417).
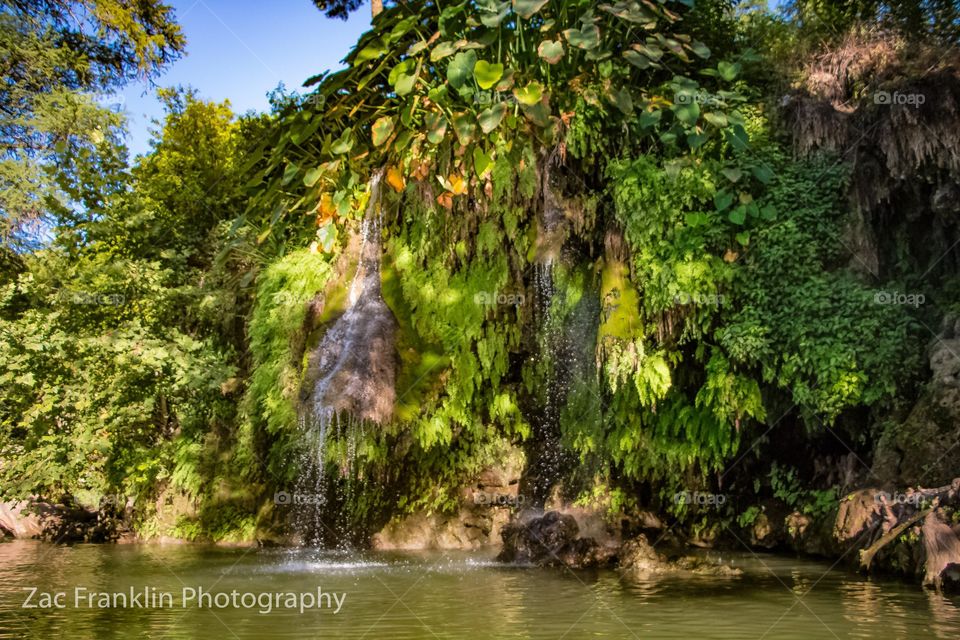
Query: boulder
(551,539)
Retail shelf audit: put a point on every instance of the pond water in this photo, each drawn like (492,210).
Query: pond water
(436,595)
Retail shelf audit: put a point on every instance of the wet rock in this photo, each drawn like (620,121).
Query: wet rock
(485,508)
(638,557)
(639,560)
(913,452)
(551,539)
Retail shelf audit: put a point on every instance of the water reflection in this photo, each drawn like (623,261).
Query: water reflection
(450,595)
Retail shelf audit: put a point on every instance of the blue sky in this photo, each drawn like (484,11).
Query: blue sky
(241,49)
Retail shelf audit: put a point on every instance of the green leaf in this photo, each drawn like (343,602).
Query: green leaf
(382,129)
(289,173)
(732,174)
(551,50)
(728,71)
(651,51)
(687,113)
(586,38)
(344,143)
(738,215)
(461,68)
(530,94)
(722,200)
(400,69)
(487,74)
(490,118)
(527,8)
(623,100)
(716,119)
(482,162)
(638,60)
(650,118)
(492,13)
(763,173)
(768,212)
(311,177)
(436,127)
(327,236)
(442,50)
(372,51)
(465,127)
(538,114)
(632,12)
(700,50)
(405,84)
(696,140)
(743,237)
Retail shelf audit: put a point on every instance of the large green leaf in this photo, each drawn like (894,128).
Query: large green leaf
(372,51)
(289,173)
(344,143)
(465,127)
(728,71)
(526,9)
(461,68)
(530,94)
(688,112)
(551,50)
(482,163)
(436,127)
(442,50)
(487,74)
(632,12)
(492,12)
(490,118)
(586,38)
(382,129)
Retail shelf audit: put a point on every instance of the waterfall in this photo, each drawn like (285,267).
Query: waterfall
(349,385)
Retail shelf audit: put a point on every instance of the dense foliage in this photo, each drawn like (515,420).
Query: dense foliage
(598,247)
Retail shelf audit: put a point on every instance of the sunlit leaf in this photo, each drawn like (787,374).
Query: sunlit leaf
(551,50)
(490,118)
(382,129)
(487,74)
(530,94)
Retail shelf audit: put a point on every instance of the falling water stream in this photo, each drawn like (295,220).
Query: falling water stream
(333,411)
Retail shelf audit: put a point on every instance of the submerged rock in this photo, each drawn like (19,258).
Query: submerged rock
(551,539)
(639,560)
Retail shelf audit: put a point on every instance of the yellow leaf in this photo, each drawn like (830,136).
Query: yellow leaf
(395,179)
(458,184)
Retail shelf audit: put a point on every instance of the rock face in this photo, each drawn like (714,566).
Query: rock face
(551,539)
(924,450)
(58,522)
(485,508)
(353,369)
